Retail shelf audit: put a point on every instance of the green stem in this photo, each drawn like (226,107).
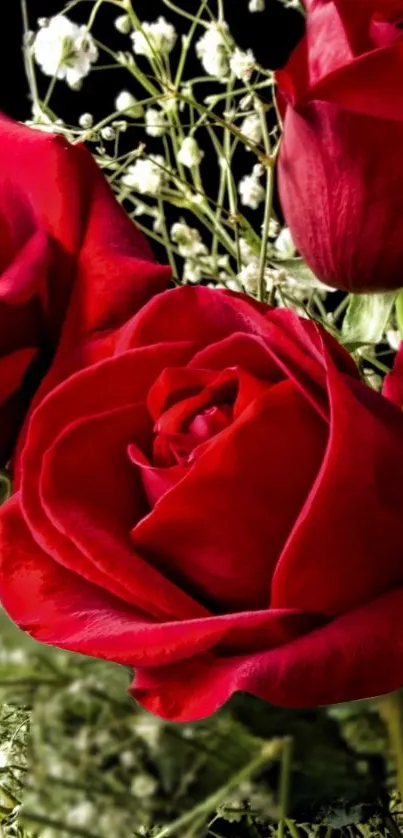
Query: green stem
(391,710)
(284,790)
(269,752)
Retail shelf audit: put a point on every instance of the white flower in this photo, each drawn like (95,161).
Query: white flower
(86,121)
(82,814)
(143,785)
(155,122)
(257,5)
(247,252)
(251,126)
(249,277)
(157,37)
(242,64)
(188,240)
(123,24)
(251,190)
(65,50)
(126,102)
(190,153)
(146,176)
(284,245)
(214,52)
(393,338)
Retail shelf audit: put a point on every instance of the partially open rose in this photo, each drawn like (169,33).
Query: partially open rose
(341,164)
(72,265)
(218,505)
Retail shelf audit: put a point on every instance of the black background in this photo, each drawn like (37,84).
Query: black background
(271,34)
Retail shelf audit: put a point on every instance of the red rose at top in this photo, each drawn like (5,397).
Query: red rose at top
(341,163)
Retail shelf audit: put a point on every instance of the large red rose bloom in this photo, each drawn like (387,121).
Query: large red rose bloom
(218,505)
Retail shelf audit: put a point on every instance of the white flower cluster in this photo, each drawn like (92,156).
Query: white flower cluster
(156,124)
(154,38)
(251,191)
(190,153)
(65,50)
(147,175)
(249,275)
(198,262)
(251,127)
(219,56)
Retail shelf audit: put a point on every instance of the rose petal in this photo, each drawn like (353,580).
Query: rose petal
(234,509)
(347,545)
(342,661)
(369,85)
(57,606)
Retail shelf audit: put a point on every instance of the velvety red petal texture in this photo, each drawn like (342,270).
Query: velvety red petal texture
(342,107)
(215,501)
(72,265)
(359,654)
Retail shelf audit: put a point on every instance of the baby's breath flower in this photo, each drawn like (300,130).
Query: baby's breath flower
(188,240)
(251,190)
(65,50)
(251,126)
(123,24)
(82,814)
(190,153)
(143,785)
(156,124)
(214,52)
(153,38)
(126,102)
(257,5)
(284,245)
(393,338)
(108,133)
(146,176)
(242,64)
(86,121)
(249,277)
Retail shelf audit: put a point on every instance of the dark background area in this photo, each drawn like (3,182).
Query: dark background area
(271,34)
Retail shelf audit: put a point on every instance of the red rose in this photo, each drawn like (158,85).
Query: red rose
(218,505)
(71,263)
(341,163)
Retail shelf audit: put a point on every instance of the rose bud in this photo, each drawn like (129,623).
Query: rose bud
(341,163)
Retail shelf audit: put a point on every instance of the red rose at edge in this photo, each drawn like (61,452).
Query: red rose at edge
(217,505)
(72,265)
(341,164)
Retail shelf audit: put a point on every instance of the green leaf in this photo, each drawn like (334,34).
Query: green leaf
(5,486)
(399,311)
(299,270)
(367,317)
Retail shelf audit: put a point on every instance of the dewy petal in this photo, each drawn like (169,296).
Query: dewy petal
(347,545)
(218,533)
(357,655)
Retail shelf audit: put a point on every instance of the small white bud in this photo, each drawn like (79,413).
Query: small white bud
(86,121)
(123,24)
